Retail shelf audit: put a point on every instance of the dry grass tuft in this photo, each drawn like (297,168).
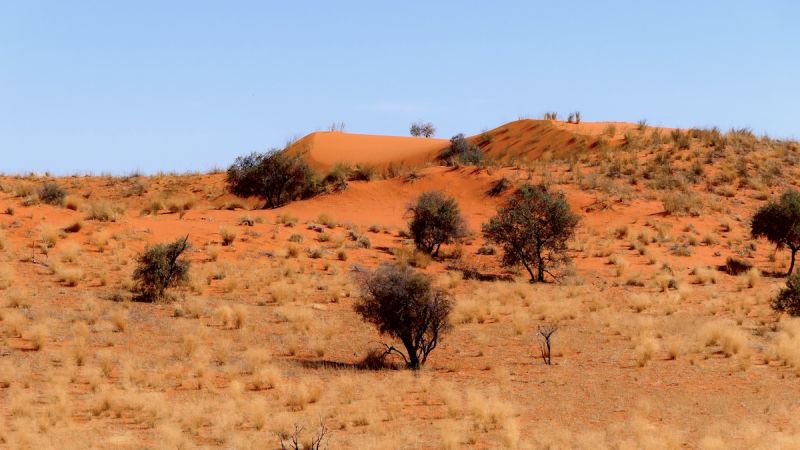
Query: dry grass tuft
(730,339)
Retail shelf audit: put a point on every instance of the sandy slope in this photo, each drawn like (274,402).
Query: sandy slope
(324,149)
(521,140)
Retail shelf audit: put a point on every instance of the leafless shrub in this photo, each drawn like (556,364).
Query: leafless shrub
(545,336)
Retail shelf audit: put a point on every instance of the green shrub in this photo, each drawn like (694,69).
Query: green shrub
(275,177)
(404,305)
(52,194)
(788,299)
(779,222)
(533,226)
(159,268)
(435,220)
(462,151)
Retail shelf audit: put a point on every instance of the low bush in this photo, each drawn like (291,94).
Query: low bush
(161,267)
(52,194)
(461,151)
(678,203)
(736,266)
(403,305)
(788,299)
(227,235)
(103,212)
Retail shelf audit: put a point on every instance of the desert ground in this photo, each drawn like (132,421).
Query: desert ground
(658,346)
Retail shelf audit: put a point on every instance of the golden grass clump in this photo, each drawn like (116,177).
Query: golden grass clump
(730,339)
(682,203)
(69,276)
(228,235)
(705,275)
(231,318)
(104,212)
(299,395)
(70,252)
(38,335)
(49,235)
(409,255)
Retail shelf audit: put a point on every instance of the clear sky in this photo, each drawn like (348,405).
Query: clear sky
(114,86)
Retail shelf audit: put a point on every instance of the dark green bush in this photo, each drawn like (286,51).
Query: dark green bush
(275,177)
(403,304)
(533,227)
(435,220)
(788,299)
(779,222)
(161,267)
(52,194)
(461,151)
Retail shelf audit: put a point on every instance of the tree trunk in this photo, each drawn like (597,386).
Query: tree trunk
(530,272)
(540,268)
(413,359)
(436,253)
(791,265)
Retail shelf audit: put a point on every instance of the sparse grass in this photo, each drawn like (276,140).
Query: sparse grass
(287,220)
(705,275)
(104,212)
(682,203)
(730,339)
(68,276)
(228,235)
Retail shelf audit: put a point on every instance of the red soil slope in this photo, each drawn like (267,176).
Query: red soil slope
(324,150)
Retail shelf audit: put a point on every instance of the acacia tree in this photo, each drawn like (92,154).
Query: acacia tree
(423,129)
(160,267)
(533,227)
(274,176)
(779,222)
(435,220)
(402,304)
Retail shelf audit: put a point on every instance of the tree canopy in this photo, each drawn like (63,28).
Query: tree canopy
(402,304)
(435,220)
(274,176)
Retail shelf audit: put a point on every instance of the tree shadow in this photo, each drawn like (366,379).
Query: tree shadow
(374,360)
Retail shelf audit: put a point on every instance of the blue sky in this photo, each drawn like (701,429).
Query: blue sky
(113,86)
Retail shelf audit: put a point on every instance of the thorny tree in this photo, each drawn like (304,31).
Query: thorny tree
(533,227)
(402,304)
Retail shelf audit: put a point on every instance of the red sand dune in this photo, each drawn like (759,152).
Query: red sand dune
(520,140)
(324,149)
